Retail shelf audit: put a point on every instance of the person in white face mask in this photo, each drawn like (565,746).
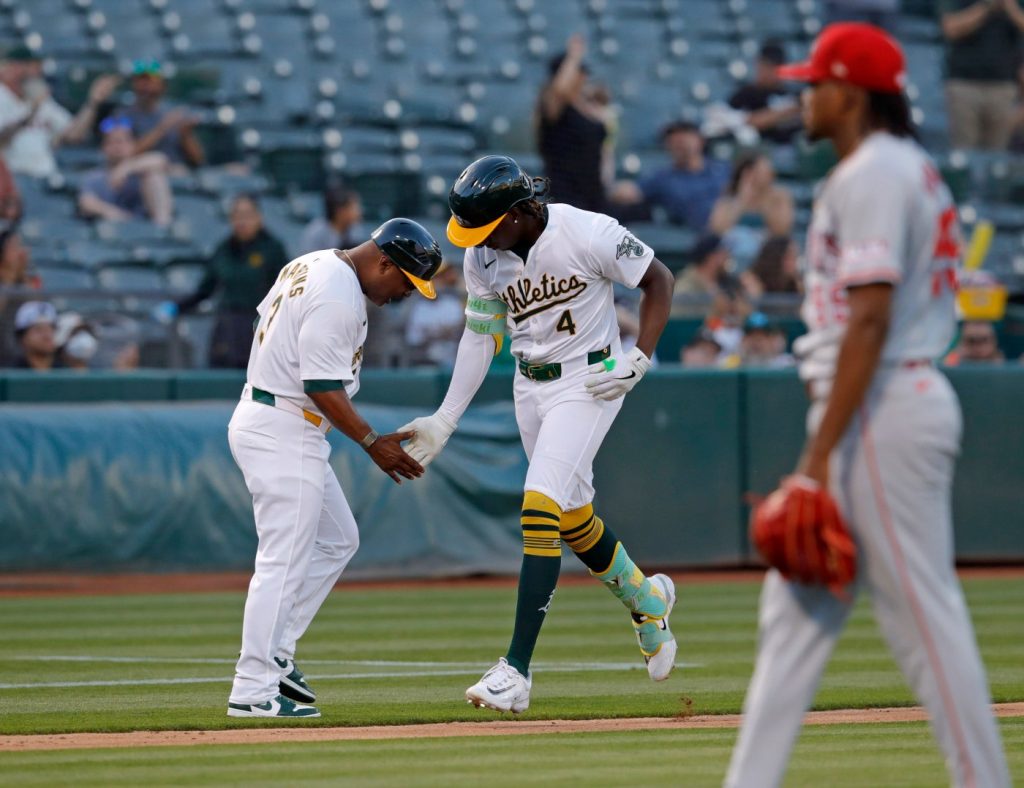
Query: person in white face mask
(76,341)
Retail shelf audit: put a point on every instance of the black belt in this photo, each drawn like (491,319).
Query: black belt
(553,371)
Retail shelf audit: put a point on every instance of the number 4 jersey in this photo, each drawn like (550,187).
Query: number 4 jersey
(560,301)
(311,327)
(883,215)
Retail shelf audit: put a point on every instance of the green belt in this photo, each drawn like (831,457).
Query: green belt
(266,398)
(263,397)
(542,372)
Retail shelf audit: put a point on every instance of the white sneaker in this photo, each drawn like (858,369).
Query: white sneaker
(657,644)
(502,688)
(279,707)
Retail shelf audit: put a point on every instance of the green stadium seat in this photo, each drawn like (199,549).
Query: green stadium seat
(131,278)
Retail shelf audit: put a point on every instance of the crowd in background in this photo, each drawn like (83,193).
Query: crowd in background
(743,219)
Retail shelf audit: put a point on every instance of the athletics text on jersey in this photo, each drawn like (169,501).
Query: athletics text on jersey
(560,300)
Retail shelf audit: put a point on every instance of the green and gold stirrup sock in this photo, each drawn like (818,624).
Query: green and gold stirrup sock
(606,558)
(542,561)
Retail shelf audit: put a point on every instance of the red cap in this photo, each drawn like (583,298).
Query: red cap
(854,53)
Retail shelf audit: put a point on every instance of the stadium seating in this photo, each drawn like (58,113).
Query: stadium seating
(396,96)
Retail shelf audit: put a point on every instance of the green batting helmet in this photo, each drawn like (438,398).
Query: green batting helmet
(486,191)
(409,246)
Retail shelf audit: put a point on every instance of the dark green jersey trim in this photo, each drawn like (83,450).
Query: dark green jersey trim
(320,386)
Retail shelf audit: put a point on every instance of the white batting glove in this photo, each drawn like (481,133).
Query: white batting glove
(615,377)
(432,433)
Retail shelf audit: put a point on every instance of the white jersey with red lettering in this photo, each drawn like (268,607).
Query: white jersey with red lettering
(560,300)
(883,215)
(312,326)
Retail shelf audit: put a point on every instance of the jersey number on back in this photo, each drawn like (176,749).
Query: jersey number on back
(565,323)
(946,253)
(270,319)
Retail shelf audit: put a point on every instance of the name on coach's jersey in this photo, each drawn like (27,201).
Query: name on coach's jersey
(525,299)
(298,274)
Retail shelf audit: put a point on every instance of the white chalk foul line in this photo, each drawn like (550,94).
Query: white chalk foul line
(466,671)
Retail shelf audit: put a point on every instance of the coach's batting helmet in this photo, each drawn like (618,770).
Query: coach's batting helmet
(409,246)
(487,189)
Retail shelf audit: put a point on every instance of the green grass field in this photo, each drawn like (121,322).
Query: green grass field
(399,656)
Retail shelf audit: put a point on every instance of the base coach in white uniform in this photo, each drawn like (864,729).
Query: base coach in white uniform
(303,370)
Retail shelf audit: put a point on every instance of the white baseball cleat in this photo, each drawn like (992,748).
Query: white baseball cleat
(657,643)
(502,688)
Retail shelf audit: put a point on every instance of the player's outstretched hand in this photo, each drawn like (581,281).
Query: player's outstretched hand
(391,458)
(615,377)
(431,433)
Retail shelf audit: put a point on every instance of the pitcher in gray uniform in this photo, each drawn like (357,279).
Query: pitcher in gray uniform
(884,424)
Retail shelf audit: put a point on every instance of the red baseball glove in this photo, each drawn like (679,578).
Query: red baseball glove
(798,530)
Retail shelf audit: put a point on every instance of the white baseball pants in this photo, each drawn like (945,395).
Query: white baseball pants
(307,536)
(562,427)
(892,475)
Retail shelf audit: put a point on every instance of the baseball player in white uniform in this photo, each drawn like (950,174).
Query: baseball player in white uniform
(303,371)
(884,424)
(546,271)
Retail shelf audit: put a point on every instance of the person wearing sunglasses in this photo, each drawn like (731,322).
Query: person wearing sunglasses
(129,186)
(158,127)
(32,124)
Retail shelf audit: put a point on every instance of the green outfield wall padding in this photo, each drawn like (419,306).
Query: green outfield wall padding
(65,385)
(151,485)
(208,384)
(988,490)
(668,474)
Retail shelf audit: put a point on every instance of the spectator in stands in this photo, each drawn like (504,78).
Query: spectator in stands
(983,44)
(772,108)
(75,340)
(338,227)
(130,186)
(32,124)
(978,345)
(763,345)
(240,272)
(706,277)
(752,208)
(775,269)
(10,198)
(881,13)
(34,325)
(571,131)
(15,262)
(686,190)
(157,127)
(434,328)
(702,351)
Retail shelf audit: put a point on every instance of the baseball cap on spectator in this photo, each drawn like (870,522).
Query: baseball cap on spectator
(757,321)
(858,54)
(706,244)
(32,313)
(150,68)
(20,53)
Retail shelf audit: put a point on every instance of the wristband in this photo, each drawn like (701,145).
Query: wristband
(370,439)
